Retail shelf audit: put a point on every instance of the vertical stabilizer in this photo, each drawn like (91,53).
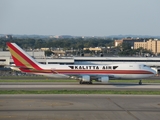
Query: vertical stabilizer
(21,58)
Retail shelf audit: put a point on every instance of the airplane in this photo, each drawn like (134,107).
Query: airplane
(84,73)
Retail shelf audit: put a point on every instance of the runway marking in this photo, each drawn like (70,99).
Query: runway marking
(60,103)
(122,108)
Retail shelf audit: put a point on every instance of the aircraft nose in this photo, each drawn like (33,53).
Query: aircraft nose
(154,71)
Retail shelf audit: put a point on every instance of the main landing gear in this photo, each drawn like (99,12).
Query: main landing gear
(82,82)
(140,82)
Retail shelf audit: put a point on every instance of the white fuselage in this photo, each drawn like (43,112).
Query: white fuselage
(123,71)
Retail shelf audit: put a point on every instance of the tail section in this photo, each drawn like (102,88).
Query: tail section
(21,58)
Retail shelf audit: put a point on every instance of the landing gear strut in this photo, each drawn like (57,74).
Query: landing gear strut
(81,82)
(90,82)
(140,82)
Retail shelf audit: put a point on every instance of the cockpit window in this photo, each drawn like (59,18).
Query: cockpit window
(146,66)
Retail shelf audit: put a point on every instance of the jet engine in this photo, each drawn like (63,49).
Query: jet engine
(103,79)
(85,78)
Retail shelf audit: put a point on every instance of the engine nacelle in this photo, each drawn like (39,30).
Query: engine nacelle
(85,78)
(103,79)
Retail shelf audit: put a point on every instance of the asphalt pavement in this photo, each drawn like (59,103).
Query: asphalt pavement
(79,107)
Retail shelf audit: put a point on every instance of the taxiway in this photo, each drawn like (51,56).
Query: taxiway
(79,107)
(76,86)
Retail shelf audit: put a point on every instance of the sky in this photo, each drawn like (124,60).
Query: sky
(80,17)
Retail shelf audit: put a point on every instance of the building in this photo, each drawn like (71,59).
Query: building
(129,41)
(150,61)
(153,45)
(93,49)
(45,49)
(118,42)
(8,36)
(5,57)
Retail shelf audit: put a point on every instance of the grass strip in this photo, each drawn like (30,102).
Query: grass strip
(71,80)
(37,80)
(80,92)
(46,79)
(23,77)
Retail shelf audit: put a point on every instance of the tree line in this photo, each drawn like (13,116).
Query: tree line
(77,44)
(70,43)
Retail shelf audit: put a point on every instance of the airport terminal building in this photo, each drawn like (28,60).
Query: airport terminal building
(6,59)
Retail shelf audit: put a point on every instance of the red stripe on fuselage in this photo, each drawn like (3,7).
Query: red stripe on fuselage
(92,72)
(23,56)
(103,72)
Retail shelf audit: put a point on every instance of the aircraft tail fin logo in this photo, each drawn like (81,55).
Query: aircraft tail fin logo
(21,58)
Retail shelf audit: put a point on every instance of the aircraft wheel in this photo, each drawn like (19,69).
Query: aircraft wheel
(140,82)
(80,82)
(90,82)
